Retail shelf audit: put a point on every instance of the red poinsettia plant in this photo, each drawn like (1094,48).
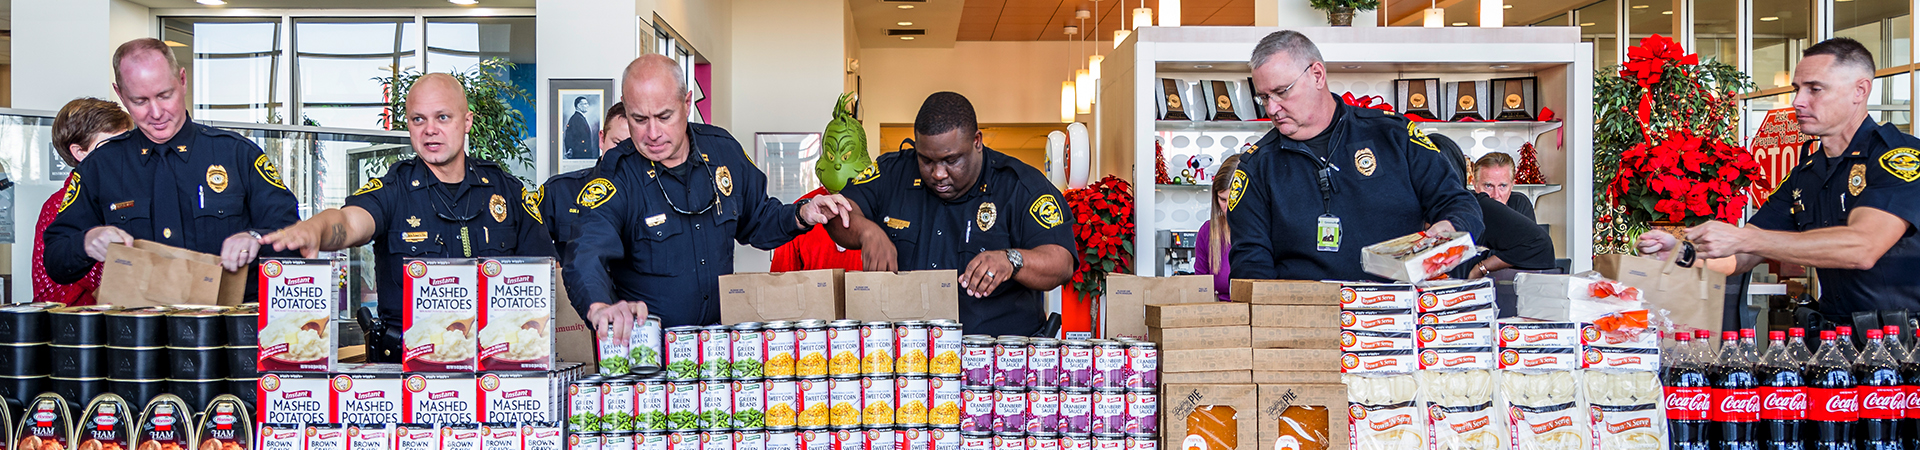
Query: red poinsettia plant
(1685,178)
(1103,230)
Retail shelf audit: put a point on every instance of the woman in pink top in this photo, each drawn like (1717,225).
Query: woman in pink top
(78,128)
(1210,254)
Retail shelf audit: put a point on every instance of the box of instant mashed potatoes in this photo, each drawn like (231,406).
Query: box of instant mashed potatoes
(296,316)
(440,304)
(516,322)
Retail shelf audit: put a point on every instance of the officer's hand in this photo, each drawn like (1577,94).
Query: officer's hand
(99,237)
(824,208)
(1445,226)
(877,253)
(1719,239)
(985,273)
(1658,244)
(614,321)
(238,251)
(301,236)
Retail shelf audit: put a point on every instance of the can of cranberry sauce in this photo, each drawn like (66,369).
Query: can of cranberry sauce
(1076,364)
(1143,365)
(1043,363)
(976,361)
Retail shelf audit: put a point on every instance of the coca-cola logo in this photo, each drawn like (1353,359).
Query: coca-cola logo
(1688,400)
(1843,404)
(1888,399)
(1741,402)
(1785,400)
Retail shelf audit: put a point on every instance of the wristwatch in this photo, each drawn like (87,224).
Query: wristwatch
(799,214)
(1013,256)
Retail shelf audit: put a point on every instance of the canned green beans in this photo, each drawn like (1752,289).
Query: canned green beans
(749,351)
(750,440)
(643,347)
(583,405)
(716,404)
(716,352)
(616,406)
(650,405)
(749,404)
(683,406)
(683,353)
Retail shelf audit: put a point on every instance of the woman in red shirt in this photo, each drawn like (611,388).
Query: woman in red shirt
(80,127)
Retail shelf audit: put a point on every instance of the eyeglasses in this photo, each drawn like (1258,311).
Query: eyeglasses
(1282,94)
(712,181)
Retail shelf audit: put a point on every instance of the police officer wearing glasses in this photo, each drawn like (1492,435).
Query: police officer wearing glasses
(1331,178)
(439,204)
(660,220)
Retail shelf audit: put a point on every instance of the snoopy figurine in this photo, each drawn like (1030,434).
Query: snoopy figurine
(1199,164)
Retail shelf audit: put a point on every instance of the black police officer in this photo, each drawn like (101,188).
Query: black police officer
(952,203)
(663,214)
(439,204)
(172,181)
(1847,210)
(557,204)
(1331,178)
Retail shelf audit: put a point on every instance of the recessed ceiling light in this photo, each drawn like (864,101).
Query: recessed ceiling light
(1203,66)
(1459,24)
(1498,66)
(1769,19)
(1586,24)
(1506,6)
(904,24)
(906,38)
(1666,13)
(1641,6)
(1350,66)
(212,2)
(464,2)
(174,44)
(906,6)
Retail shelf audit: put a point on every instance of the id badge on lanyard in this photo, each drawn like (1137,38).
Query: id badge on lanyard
(1328,234)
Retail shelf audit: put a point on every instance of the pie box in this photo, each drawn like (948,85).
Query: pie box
(1540,358)
(1274,377)
(1457,358)
(1189,315)
(1205,360)
(1392,320)
(1219,401)
(1362,295)
(1515,333)
(1296,360)
(1633,359)
(1361,340)
(1296,316)
(1219,377)
(1200,337)
(1285,292)
(1390,259)
(1320,338)
(1378,361)
(1435,335)
(1330,397)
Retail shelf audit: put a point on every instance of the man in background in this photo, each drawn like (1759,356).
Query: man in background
(1493,176)
(579,137)
(558,203)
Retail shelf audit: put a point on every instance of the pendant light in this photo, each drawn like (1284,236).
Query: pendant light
(1435,17)
(1093,65)
(1083,80)
(1067,102)
(1169,13)
(1120,35)
(1142,16)
(1093,62)
(1491,14)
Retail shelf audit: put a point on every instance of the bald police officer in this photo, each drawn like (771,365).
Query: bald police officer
(172,181)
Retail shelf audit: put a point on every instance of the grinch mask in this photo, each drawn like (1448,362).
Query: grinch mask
(843,149)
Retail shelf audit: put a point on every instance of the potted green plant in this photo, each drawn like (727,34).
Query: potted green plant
(1340,12)
(497,127)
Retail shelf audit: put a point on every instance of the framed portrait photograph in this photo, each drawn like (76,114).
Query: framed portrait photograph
(579,107)
(1467,100)
(1415,97)
(1516,95)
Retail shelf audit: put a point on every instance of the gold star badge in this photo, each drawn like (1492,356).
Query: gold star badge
(413,221)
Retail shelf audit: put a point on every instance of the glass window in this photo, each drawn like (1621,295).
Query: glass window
(233,69)
(1892,101)
(1884,26)
(1781,29)
(459,44)
(338,62)
(1716,28)
(1599,24)
(1555,21)
(1647,18)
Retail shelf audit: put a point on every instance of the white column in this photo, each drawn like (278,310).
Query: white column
(788,68)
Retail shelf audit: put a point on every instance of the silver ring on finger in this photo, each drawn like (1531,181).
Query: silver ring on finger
(989,274)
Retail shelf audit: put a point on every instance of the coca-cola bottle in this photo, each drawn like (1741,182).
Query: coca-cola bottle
(1833,401)
(1748,345)
(1891,335)
(1783,396)
(1736,398)
(1882,400)
(1688,398)
(1797,348)
(1910,377)
(1848,347)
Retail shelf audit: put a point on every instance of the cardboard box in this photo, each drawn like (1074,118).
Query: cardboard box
(1311,338)
(1285,292)
(1201,337)
(1275,399)
(1221,377)
(895,296)
(1293,316)
(1206,360)
(573,341)
(516,292)
(153,274)
(1216,314)
(1128,296)
(440,308)
(1180,401)
(1385,258)
(1296,360)
(1271,377)
(765,297)
(296,316)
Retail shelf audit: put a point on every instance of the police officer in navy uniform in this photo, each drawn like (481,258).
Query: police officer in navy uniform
(1331,178)
(172,181)
(953,204)
(1848,209)
(557,196)
(667,206)
(438,204)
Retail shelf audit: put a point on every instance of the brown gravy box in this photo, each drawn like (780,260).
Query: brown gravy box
(500,436)
(415,436)
(293,397)
(516,322)
(296,316)
(460,436)
(441,303)
(282,436)
(441,398)
(370,436)
(326,436)
(542,436)
(370,395)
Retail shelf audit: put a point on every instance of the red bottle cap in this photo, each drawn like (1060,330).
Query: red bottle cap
(1826,335)
(1843,330)
(1682,336)
(1746,332)
(1873,334)
(1797,332)
(1890,330)
(1701,334)
(1777,335)
(1729,335)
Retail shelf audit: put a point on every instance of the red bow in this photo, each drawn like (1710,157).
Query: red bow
(1368,102)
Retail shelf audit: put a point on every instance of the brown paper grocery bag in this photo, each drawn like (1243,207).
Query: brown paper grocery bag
(152,274)
(894,296)
(763,297)
(1128,296)
(573,341)
(1693,297)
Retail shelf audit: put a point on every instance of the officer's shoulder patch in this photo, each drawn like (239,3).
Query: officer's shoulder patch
(871,173)
(1903,163)
(595,193)
(530,200)
(1046,211)
(73,192)
(1419,138)
(268,171)
(1237,189)
(370,186)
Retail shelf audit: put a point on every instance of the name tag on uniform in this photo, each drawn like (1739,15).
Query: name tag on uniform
(1328,234)
(656,220)
(414,236)
(121,205)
